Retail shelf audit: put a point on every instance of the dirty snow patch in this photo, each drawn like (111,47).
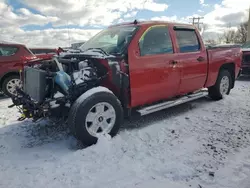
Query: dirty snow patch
(201,144)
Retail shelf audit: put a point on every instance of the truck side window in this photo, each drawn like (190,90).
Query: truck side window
(156,41)
(187,41)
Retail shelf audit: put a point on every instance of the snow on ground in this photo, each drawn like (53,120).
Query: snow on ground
(200,144)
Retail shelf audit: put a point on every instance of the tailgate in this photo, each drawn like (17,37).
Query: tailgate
(246,59)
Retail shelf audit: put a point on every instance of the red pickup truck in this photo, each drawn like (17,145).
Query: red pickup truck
(139,67)
(45,53)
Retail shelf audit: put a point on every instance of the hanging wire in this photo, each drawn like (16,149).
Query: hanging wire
(68,32)
(69,39)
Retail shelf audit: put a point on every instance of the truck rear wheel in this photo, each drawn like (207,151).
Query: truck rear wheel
(222,86)
(101,113)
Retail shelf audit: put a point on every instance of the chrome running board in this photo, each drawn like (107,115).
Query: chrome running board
(171,103)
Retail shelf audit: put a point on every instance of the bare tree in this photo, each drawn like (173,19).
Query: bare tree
(220,38)
(229,36)
(234,36)
(211,41)
(241,34)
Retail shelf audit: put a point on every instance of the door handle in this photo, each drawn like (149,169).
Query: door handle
(173,62)
(200,59)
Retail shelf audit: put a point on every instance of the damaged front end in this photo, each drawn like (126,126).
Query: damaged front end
(51,87)
(40,96)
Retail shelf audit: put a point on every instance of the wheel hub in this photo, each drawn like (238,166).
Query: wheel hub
(100,119)
(224,85)
(12,85)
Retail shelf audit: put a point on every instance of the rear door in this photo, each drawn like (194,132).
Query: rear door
(153,74)
(192,59)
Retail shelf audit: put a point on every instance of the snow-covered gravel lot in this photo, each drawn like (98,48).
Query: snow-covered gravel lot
(201,144)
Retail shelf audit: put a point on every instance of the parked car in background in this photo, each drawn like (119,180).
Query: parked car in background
(245,67)
(44,53)
(77,45)
(140,67)
(12,59)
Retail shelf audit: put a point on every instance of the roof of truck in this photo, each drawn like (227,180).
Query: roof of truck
(152,23)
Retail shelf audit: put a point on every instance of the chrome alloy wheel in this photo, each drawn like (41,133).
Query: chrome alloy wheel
(224,85)
(12,84)
(100,119)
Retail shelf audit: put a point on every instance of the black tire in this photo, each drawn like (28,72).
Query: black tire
(6,81)
(214,91)
(80,109)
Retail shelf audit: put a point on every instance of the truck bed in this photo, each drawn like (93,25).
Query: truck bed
(218,56)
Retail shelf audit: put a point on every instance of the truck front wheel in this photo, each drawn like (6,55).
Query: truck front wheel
(101,113)
(222,86)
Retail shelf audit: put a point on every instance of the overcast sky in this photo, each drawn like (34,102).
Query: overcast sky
(61,22)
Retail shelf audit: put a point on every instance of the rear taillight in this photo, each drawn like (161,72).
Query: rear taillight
(241,55)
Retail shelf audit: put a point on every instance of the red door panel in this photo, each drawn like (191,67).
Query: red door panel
(153,77)
(192,60)
(193,71)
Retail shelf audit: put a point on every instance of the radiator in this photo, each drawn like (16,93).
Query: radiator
(35,83)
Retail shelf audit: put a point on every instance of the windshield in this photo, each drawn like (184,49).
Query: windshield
(111,40)
(246,45)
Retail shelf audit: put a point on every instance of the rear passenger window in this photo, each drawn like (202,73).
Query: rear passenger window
(7,50)
(156,41)
(187,41)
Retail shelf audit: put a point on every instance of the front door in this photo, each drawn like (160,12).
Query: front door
(154,76)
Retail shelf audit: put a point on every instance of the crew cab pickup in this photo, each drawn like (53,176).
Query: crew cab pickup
(138,67)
